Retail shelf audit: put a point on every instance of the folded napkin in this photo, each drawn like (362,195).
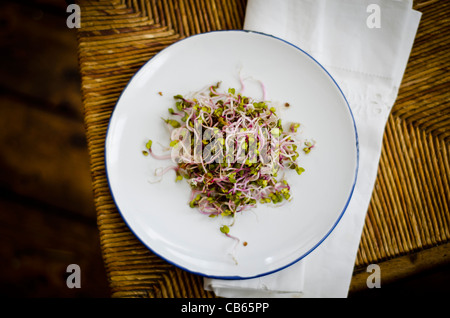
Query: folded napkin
(365,46)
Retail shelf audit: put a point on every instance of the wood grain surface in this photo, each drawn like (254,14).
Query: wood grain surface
(47,214)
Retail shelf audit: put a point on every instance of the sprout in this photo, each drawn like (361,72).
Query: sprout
(173,123)
(299,170)
(225,229)
(293,127)
(244,132)
(309,145)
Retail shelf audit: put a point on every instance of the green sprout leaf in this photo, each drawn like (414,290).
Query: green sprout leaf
(299,170)
(173,123)
(224,229)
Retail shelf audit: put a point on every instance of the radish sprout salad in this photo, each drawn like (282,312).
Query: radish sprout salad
(232,150)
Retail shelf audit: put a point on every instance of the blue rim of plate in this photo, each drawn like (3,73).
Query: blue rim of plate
(312,248)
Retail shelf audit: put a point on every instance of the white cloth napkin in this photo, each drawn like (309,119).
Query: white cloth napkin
(367,57)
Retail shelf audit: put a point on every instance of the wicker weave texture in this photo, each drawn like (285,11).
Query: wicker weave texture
(409,209)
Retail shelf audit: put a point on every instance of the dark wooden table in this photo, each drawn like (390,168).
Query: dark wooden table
(47,214)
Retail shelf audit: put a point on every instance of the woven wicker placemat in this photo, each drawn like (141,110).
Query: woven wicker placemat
(409,210)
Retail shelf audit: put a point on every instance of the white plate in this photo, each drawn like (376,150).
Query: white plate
(158,213)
